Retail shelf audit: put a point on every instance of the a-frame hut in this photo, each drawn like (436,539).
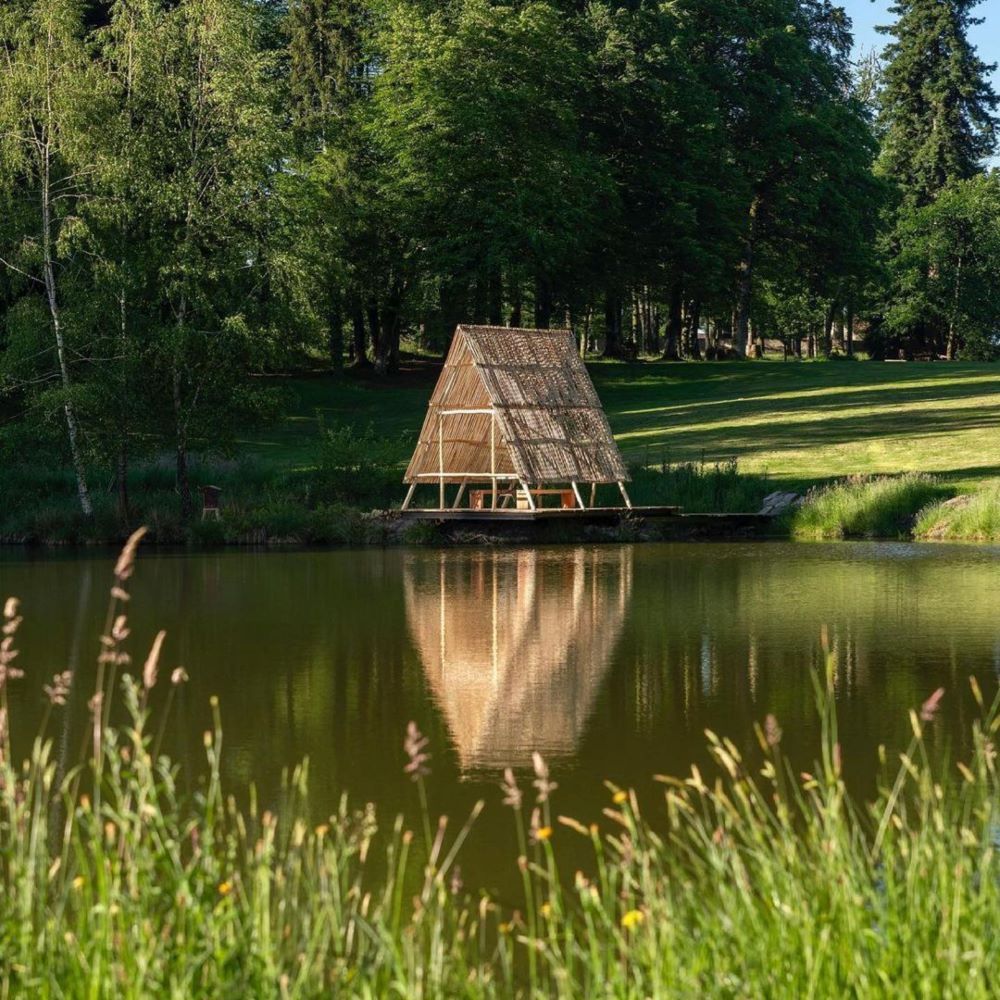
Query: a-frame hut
(515,412)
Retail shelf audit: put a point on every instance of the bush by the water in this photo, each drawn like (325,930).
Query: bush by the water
(967,517)
(876,507)
(758,880)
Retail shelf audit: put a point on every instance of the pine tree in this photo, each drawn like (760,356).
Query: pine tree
(937,101)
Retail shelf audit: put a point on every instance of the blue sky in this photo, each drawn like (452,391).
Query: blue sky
(868,13)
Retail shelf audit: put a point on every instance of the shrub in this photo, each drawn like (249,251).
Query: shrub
(356,467)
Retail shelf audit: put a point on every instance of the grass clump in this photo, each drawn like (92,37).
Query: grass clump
(967,517)
(699,487)
(759,880)
(862,507)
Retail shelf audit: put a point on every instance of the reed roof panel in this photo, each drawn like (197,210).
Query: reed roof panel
(550,426)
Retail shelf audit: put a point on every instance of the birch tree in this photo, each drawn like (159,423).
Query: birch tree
(49,93)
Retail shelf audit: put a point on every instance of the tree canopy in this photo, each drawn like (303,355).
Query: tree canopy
(197,192)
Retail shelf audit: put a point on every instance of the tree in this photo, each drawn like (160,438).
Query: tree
(476,121)
(49,101)
(204,145)
(937,103)
(937,128)
(949,266)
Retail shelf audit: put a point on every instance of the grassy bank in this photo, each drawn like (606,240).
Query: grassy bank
(967,517)
(757,879)
(879,507)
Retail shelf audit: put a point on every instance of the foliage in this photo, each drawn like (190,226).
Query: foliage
(198,194)
(948,266)
(762,878)
(938,128)
(355,466)
(879,507)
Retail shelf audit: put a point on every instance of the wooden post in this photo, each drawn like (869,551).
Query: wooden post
(576,491)
(440,461)
(527,493)
(493,458)
(409,496)
(621,486)
(593,494)
(458,496)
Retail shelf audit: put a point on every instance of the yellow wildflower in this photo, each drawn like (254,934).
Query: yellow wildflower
(619,797)
(78,882)
(632,919)
(546,910)
(543,833)
(225,888)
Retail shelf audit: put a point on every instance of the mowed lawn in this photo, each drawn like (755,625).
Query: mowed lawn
(801,422)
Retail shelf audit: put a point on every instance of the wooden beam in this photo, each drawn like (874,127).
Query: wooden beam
(621,486)
(458,496)
(409,497)
(527,493)
(576,491)
(441,461)
(493,458)
(593,494)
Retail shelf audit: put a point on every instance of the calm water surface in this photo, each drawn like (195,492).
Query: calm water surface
(610,660)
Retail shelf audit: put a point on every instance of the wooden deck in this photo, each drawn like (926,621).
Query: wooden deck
(593,515)
(589,515)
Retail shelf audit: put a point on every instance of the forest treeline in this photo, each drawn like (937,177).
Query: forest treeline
(194,191)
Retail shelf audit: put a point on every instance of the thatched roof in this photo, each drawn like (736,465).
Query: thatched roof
(550,424)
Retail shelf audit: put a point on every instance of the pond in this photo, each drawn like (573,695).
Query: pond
(611,661)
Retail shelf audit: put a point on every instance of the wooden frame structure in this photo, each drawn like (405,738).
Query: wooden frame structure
(515,410)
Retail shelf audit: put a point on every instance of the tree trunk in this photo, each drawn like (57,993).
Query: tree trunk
(55,312)
(182,477)
(121,473)
(515,304)
(495,292)
(849,346)
(827,346)
(358,347)
(335,337)
(121,482)
(951,348)
(374,331)
(612,325)
(838,331)
(744,294)
(675,324)
(543,303)
(691,346)
(387,352)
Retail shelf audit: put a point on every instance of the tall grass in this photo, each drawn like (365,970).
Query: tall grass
(969,517)
(755,880)
(699,487)
(862,507)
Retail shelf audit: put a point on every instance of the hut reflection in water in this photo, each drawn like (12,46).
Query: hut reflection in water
(516,644)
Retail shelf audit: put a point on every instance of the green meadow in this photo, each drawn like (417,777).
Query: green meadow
(801,423)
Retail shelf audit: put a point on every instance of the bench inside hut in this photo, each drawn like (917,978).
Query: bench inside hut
(515,423)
